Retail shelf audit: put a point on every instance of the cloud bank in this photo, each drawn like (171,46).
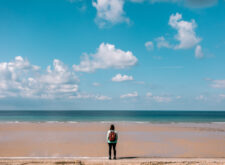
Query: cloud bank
(19,78)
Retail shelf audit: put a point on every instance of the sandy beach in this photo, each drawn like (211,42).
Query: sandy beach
(138,140)
(94,161)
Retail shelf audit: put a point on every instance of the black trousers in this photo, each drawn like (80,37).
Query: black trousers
(112,145)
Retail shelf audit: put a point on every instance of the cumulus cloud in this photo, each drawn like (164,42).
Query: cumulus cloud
(198,52)
(129,95)
(19,78)
(107,56)
(109,11)
(58,79)
(149,45)
(120,78)
(112,12)
(185,36)
(185,31)
(161,42)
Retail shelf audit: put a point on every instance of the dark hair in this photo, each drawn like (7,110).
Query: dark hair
(112,127)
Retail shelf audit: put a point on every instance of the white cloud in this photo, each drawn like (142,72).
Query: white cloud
(178,97)
(90,96)
(82,96)
(201,97)
(161,42)
(185,31)
(129,95)
(218,83)
(137,1)
(186,35)
(96,84)
(162,99)
(149,45)
(222,96)
(187,3)
(159,99)
(103,97)
(109,11)
(198,52)
(107,56)
(120,78)
(149,94)
(19,78)
(58,80)
(200,3)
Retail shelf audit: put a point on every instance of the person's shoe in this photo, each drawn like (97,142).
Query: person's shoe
(114,158)
(109,158)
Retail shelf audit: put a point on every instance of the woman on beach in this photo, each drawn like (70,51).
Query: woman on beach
(112,138)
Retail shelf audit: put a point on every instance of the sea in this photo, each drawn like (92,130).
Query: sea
(113,116)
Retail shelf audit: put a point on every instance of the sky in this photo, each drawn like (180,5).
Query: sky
(112,55)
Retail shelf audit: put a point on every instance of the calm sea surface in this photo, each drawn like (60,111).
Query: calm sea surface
(105,116)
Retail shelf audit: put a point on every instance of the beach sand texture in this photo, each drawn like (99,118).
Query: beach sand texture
(140,140)
(146,161)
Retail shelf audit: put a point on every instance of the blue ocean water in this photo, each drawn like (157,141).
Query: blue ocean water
(109,116)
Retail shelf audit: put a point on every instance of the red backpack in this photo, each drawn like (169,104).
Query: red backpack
(112,136)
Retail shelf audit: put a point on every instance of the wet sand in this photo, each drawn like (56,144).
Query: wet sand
(136,140)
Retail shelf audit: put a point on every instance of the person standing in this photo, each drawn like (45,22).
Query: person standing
(112,137)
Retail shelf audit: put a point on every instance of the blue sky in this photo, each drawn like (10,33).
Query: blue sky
(112,54)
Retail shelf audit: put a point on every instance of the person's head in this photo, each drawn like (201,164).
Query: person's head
(112,127)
